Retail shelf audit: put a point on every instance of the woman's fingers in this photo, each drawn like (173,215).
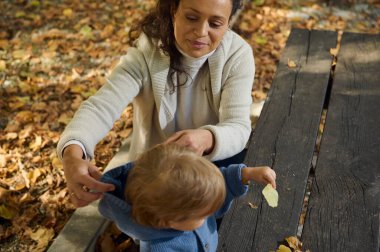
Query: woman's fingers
(78,201)
(197,140)
(84,185)
(175,137)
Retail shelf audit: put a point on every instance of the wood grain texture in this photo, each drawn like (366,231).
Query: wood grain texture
(343,214)
(284,139)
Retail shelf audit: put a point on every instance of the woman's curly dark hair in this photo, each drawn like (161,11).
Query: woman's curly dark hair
(158,24)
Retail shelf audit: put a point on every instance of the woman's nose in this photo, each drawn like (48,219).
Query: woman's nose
(201,29)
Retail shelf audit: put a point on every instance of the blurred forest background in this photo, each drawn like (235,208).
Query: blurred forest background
(56,53)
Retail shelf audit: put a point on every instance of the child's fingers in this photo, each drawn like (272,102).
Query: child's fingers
(271,178)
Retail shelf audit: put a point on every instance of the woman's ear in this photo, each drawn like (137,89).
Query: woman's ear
(172,13)
(173,9)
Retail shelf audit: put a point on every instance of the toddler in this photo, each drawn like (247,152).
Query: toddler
(170,197)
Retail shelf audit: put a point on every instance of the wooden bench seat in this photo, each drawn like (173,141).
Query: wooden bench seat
(343,213)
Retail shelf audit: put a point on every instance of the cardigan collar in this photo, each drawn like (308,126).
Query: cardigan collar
(160,77)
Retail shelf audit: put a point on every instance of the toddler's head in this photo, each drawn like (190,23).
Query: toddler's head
(172,187)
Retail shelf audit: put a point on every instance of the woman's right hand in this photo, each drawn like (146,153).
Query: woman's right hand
(82,178)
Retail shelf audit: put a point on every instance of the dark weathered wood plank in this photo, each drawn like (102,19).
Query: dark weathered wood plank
(343,214)
(284,139)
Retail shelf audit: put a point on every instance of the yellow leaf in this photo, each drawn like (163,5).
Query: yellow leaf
(294,243)
(34,175)
(24,116)
(291,63)
(6,212)
(77,89)
(107,31)
(334,51)
(19,185)
(4,44)
(86,31)
(64,118)
(270,195)
(20,14)
(11,135)
(260,40)
(251,205)
(68,13)
(21,54)
(36,144)
(57,163)
(283,248)
(42,236)
(125,133)
(3,163)
(3,66)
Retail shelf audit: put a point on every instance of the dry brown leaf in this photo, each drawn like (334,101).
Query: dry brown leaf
(42,236)
(3,66)
(251,205)
(291,64)
(11,135)
(7,212)
(36,145)
(34,175)
(57,163)
(65,118)
(24,117)
(283,248)
(294,242)
(68,13)
(334,51)
(125,133)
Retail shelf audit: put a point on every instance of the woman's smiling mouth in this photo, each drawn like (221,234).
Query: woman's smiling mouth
(197,44)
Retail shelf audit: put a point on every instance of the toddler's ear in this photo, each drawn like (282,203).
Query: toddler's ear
(165,224)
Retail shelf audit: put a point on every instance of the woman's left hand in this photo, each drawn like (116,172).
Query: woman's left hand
(201,141)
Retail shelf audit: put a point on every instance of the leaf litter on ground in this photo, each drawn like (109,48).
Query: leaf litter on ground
(55,54)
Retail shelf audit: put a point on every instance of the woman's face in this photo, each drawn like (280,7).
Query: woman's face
(199,25)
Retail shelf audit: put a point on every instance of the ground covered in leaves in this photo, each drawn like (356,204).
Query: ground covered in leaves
(54,54)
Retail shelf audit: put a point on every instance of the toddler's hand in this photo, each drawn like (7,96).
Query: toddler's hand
(261,174)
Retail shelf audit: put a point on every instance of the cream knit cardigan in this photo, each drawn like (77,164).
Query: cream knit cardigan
(141,78)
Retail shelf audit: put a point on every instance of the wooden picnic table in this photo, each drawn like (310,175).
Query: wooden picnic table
(342,174)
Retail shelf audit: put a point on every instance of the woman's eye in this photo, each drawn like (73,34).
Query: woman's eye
(215,25)
(191,18)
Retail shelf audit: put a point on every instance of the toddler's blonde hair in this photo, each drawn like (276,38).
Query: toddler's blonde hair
(172,183)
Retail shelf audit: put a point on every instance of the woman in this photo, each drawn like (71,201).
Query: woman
(189,78)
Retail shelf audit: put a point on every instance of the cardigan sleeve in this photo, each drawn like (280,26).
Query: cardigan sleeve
(96,116)
(233,130)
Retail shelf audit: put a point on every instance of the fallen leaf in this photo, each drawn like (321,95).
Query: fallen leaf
(68,13)
(260,40)
(11,136)
(34,175)
(271,195)
(36,145)
(86,31)
(253,206)
(65,118)
(294,243)
(20,14)
(57,163)
(42,236)
(334,51)
(24,117)
(3,66)
(7,212)
(291,64)
(125,133)
(283,248)
(20,54)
